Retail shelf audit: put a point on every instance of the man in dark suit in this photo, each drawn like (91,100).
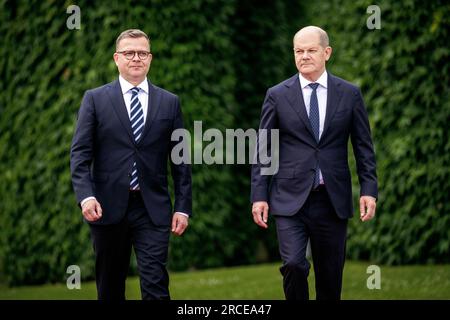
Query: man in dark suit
(119,156)
(310,196)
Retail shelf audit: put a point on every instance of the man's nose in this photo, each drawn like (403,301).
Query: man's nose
(136,57)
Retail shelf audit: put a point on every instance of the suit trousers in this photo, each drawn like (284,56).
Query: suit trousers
(112,247)
(317,221)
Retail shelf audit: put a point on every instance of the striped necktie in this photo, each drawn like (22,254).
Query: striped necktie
(137,125)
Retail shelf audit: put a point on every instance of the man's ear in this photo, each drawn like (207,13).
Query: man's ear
(328,51)
(115,57)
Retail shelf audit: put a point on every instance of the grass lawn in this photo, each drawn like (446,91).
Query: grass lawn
(265,282)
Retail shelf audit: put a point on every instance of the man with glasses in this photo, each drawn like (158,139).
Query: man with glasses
(119,155)
(310,196)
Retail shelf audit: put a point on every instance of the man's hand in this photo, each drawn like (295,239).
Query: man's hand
(179,223)
(367,206)
(92,211)
(260,211)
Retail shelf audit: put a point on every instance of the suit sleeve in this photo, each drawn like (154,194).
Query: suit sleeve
(363,149)
(81,152)
(260,182)
(181,173)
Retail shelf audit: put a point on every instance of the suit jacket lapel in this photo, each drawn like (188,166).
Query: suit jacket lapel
(154,98)
(295,98)
(334,96)
(116,97)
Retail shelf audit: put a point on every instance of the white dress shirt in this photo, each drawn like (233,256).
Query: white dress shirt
(321,91)
(142,95)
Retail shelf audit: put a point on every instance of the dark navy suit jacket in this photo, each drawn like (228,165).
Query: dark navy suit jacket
(103,151)
(299,152)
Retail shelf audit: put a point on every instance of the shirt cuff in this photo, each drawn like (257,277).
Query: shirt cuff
(182,213)
(85,200)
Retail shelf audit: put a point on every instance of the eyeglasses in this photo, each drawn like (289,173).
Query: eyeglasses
(129,55)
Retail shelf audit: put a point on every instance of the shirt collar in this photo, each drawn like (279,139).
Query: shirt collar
(126,86)
(323,80)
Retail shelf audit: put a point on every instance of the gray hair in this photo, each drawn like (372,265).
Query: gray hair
(323,36)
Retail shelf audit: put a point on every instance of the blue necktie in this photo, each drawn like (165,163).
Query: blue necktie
(315,123)
(137,125)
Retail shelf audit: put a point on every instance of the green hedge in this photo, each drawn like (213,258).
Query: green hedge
(45,71)
(219,57)
(404,73)
(263,32)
